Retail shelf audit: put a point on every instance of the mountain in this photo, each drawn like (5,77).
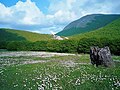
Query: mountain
(110,31)
(88,23)
(18,35)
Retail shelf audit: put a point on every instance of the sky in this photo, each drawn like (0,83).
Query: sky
(46,16)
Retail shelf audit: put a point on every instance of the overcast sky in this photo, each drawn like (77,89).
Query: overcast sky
(44,16)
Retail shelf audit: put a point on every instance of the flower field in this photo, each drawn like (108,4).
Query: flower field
(55,71)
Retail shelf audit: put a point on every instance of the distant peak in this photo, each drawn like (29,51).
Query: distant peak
(88,23)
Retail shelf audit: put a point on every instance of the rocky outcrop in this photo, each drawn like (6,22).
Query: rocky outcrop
(101,56)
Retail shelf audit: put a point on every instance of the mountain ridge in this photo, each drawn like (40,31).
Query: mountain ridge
(88,23)
(110,31)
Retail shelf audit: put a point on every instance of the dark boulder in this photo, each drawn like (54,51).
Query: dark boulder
(101,56)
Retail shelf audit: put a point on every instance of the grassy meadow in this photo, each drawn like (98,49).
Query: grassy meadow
(55,71)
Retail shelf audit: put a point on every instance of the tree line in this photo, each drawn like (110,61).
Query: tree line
(63,46)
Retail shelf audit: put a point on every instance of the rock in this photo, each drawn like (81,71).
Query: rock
(101,56)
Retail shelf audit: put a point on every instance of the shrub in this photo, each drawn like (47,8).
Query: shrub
(19,46)
(66,46)
(40,46)
(85,44)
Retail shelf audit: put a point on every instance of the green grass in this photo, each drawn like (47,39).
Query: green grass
(13,35)
(56,75)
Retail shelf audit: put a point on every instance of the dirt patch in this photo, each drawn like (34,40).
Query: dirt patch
(30,53)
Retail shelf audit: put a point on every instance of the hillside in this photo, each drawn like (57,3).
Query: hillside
(110,31)
(87,23)
(18,35)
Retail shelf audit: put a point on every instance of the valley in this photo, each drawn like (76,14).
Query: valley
(32,61)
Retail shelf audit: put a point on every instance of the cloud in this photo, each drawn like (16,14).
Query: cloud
(62,11)
(55,29)
(83,7)
(26,15)
(23,15)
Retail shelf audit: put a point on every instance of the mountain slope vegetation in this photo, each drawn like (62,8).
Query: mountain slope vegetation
(87,23)
(110,31)
(18,35)
(106,36)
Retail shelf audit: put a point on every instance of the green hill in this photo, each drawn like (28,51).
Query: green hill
(18,35)
(87,23)
(110,31)
(106,36)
